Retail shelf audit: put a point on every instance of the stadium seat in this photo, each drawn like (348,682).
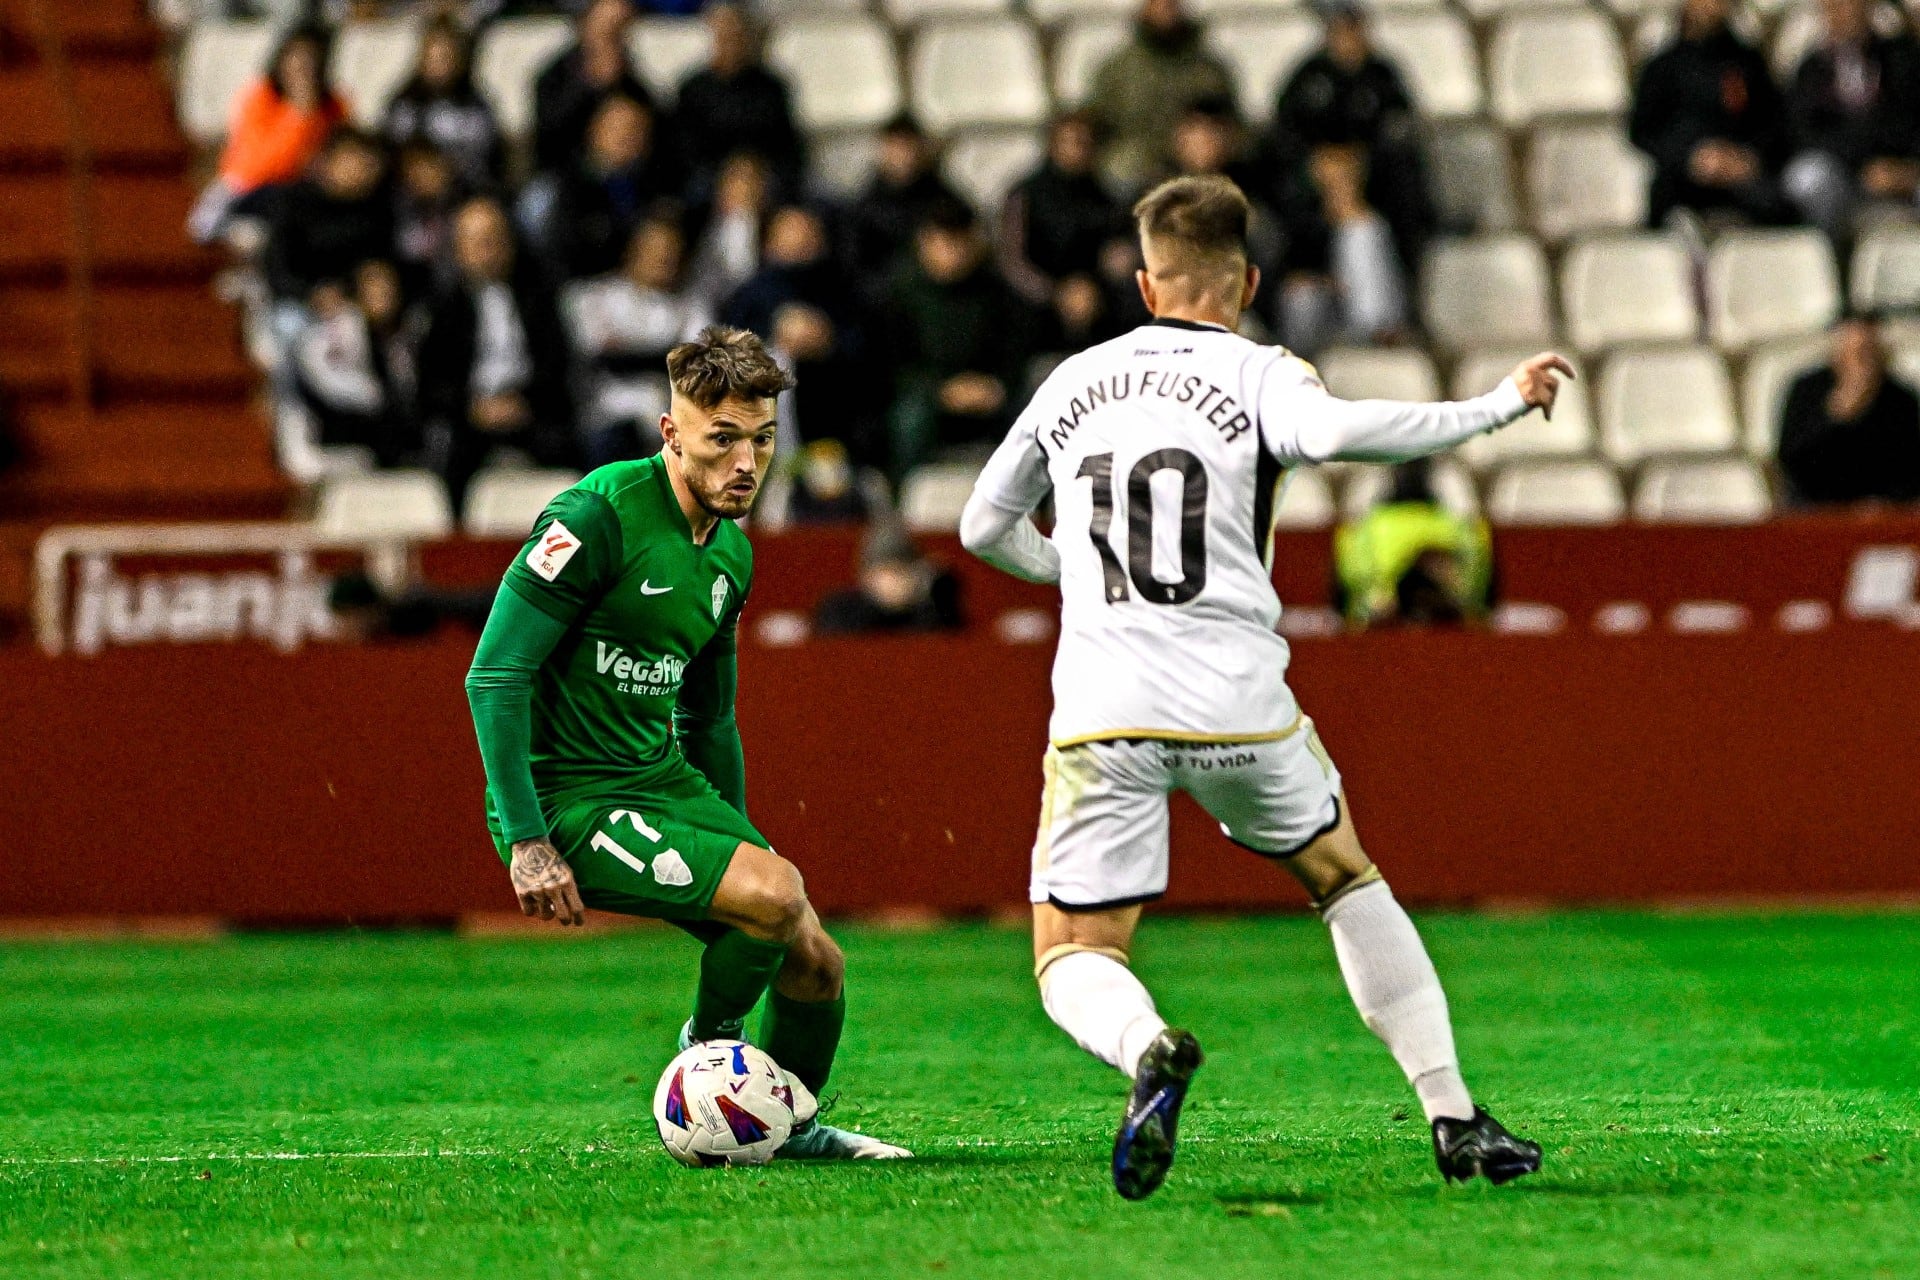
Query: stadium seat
(510,56)
(1667,400)
(1487,290)
(503,502)
(1554,62)
(1452,485)
(395,506)
(841,69)
(1886,269)
(218,60)
(984,164)
(1471,169)
(1770,372)
(1569,433)
(1569,491)
(982,71)
(1306,503)
(1710,491)
(1262,49)
(1628,288)
(1902,337)
(1082,45)
(371,61)
(1802,26)
(1434,50)
(1211,10)
(841,164)
(1048,12)
(668,50)
(1379,373)
(1769,284)
(933,496)
(905,13)
(1585,177)
(1656,26)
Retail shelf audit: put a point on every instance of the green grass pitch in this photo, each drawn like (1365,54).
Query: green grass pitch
(1724,1096)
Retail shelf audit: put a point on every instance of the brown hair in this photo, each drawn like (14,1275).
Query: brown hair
(725,363)
(1200,221)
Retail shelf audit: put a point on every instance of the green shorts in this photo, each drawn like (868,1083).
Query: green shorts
(659,852)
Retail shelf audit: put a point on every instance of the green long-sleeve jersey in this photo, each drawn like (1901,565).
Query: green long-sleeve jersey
(610,652)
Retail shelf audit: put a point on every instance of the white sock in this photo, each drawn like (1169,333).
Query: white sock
(1097,1000)
(1398,994)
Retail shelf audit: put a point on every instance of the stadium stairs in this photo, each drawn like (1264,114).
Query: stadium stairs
(122,375)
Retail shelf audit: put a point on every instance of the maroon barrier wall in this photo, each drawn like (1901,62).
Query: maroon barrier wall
(341,782)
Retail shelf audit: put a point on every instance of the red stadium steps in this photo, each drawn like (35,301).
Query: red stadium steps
(88,28)
(137,229)
(145,460)
(125,113)
(168,341)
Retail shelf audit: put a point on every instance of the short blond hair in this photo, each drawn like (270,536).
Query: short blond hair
(725,363)
(1198,223)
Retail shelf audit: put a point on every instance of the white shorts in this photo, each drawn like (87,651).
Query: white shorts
(1103,815)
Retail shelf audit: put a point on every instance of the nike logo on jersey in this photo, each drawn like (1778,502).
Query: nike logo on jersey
(648,589)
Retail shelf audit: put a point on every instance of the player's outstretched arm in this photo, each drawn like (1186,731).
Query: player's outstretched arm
(1306,424)
(995,524)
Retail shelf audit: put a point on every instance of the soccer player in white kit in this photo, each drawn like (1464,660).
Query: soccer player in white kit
(1165,450)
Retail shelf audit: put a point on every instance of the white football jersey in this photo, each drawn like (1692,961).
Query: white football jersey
(1166,450)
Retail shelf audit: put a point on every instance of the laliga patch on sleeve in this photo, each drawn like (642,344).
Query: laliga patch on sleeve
(550,555)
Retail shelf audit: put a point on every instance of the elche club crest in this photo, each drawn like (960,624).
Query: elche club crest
(719,595)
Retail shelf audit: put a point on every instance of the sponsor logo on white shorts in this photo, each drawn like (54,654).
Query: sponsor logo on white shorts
(550,555)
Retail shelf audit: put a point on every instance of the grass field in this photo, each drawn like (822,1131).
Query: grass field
(1719,1097)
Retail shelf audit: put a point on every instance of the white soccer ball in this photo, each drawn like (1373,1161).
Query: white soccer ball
(725,1102)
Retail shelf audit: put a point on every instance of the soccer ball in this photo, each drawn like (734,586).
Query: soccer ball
(725,1102)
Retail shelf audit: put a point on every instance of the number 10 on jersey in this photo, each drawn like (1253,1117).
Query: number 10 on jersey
(1139,519)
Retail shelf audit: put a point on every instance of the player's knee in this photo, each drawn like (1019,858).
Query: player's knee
(779,905)
(816,968)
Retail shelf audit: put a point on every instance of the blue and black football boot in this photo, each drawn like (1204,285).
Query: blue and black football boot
(1482,1148)
(1143,1151)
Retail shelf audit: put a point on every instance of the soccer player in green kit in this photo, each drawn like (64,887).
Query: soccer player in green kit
(602,694)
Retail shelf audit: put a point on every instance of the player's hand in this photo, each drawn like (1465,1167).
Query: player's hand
(1539,380)
(544,882)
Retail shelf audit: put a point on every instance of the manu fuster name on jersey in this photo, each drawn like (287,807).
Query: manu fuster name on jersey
(660,677)
(1208,400)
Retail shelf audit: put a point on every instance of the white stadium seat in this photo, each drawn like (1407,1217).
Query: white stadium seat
(841,69)
(1569,491)
(1452,485)
(1770,373)
(371,61)
(1379,373)
(904,13)
(1082,45)
(503,502)
(1211,10)
(1656,27)
(1306,503)
(1555,62)
(1435,53)
(1671,400)
(1487,290)
(1707,491)
(668,50)
(969,72)
(984,164)
(1262,50)
(509,58)
(1052,11)
(1628,288)
(1472,174)
(841,164)
(933,496)
(218,60)
(1886,269)
(1585,177)
(1569,433)
(397,506)
(1770,284)
(1482,10)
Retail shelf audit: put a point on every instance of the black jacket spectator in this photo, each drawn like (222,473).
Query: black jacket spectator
(880,222)
(736,104)
(605,193)
(441,107)
(326,226)
(353,366)
(1850,432)
(568,93)
(1878,119)
(1061,218)
(1707,112)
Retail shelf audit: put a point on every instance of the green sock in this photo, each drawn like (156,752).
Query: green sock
(803,1037)
(734,973)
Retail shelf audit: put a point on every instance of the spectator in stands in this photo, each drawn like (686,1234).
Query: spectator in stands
(1346,95)
(1340,277)
(1708,114)
(729,251)
(824,487)
(961,339)
(279,125)
(600,201)
(899,590)
(736,104)
(1139,92)
(622,327)
(353,365)
(326,226)
(569,92)
(881,222)
(1854,120)
(1411,562)
(1851,432)
(427,193)
(493,362)
(440,106)
(1063,241)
